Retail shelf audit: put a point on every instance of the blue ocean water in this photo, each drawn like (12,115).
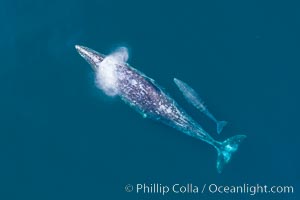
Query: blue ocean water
(61,138)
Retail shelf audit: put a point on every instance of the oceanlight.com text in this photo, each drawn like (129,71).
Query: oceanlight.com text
(190,188)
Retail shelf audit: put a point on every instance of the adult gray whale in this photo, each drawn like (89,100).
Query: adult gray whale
(116,77)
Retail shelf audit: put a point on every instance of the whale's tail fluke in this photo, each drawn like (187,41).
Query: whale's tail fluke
(226,149)
(220,126)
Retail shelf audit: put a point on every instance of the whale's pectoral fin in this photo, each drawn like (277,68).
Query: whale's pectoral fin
(220,126)
(226,149)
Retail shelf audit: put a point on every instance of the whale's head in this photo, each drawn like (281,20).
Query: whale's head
(92,57)
(105,67)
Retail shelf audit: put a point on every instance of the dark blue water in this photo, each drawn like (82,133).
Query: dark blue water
(61,138)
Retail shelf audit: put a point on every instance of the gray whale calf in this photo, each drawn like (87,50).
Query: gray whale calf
(117,78)
(193,98)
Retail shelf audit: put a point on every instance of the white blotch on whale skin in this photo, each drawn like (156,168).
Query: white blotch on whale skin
(169,110)
(162,107)
(106,75)
(133,82)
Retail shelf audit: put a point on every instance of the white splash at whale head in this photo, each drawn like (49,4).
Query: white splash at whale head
(107,75)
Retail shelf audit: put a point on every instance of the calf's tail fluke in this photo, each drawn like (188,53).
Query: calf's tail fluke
(220,126)
(226,149)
